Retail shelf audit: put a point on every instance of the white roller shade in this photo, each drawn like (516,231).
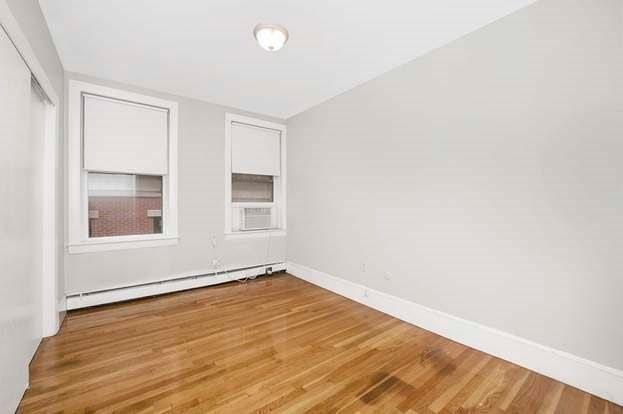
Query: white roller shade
(255,150)
(124,137)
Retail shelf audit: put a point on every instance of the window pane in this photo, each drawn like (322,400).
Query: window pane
(124,204)
(251,188)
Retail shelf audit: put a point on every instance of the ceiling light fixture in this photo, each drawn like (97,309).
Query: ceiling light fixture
(271,37)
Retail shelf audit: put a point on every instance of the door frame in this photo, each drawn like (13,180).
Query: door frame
(53,309)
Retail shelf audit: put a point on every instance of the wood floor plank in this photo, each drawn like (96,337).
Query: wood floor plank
(532,394)
(551,400)
(571,401)
(275,344)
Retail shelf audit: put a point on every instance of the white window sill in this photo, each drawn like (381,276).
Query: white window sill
(104,244)
(254,234)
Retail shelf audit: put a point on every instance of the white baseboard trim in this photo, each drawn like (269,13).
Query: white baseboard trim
(172,284)
(597,379)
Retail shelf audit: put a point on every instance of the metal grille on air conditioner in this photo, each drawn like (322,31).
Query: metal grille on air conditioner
(256,218)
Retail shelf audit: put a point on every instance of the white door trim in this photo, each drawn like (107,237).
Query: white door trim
(52,309)
(20,41)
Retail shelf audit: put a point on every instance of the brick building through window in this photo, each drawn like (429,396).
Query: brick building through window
(124,204)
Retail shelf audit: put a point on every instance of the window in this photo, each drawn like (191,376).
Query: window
(124,204)
(122,169)
(255,176)
(250,188)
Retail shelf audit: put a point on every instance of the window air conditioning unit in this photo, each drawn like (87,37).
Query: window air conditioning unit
(256,218)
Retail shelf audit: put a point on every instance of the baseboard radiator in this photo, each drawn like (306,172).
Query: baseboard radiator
(173,284)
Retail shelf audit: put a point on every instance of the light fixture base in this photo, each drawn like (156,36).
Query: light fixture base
(270,36)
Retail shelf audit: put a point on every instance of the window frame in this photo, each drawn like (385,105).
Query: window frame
(279,194)
(78,220)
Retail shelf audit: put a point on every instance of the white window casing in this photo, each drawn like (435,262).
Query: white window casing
(256,147)
(115,131)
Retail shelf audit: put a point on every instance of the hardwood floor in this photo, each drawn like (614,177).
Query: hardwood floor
(275,344)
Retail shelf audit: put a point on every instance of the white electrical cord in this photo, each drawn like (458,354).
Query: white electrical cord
(268,240)
(270,235)
(218,262)
(217,265)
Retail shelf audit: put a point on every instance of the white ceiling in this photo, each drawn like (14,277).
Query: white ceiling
(205,49)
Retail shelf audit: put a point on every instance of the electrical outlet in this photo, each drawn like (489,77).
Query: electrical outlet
(387,276)
(364,267)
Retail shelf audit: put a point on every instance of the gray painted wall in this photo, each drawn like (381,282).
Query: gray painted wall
(483,179)
(201,210)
